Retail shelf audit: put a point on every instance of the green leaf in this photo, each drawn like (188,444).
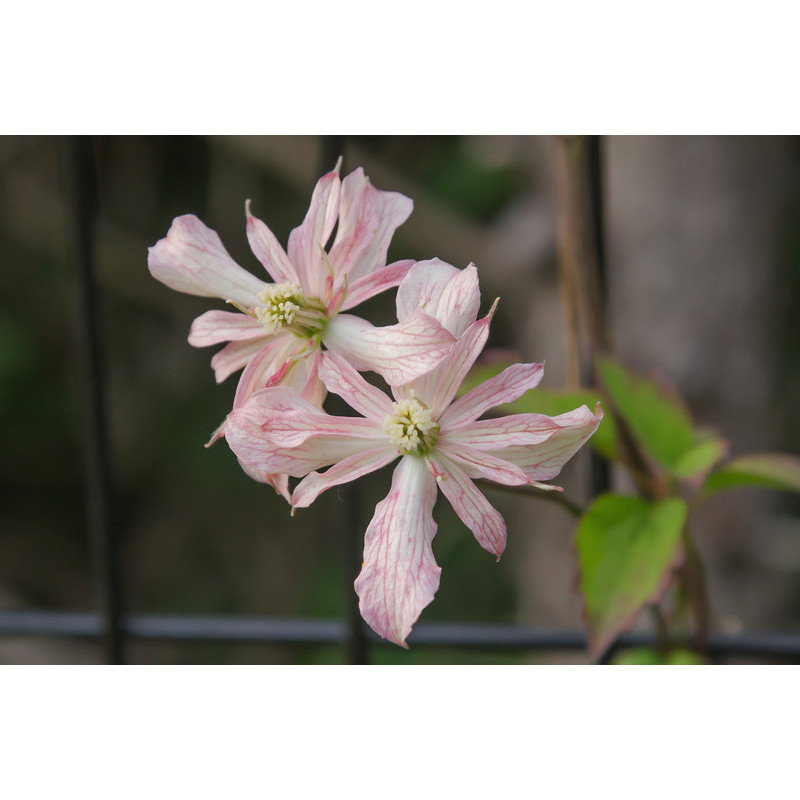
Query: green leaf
(627,549)
(660,423)
(551,403)
(770,470)
(649,656)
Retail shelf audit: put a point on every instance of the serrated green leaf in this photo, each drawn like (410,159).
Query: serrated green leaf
(659,422)
(770,470)
(627,549)
(551,403)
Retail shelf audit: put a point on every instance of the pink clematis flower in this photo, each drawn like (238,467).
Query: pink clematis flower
(278,337)
(441,443)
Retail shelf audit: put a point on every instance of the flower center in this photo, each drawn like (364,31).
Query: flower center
(284,305)
(411,428)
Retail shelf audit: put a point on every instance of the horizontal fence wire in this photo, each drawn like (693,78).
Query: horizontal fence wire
(266,630)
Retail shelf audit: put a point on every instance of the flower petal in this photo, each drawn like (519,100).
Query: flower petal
(472,507)
(483,464)
(400,576)
(265,365)
(505,387)
(399,352)
(491,434)
(278,481)
(348,469)
(276,431)
(307,241)
(215,326)
(449,294)
(368,219)
(376,282)
(543,461)
(439,387)
(234,356)
(192,259)
(268,250)
(343,379)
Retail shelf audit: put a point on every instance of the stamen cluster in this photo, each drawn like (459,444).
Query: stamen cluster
(285,305)
(411,427)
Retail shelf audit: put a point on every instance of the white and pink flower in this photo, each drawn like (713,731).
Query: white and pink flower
(441,441)
(278,337)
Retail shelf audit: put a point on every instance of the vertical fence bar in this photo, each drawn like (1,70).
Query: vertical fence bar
(81,181)
(356,641)
(582,264)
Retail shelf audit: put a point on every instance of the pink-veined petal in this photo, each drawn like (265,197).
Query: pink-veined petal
(440,386)
(544,461)
(215,326)
(376,282)
(268,250)
(399,352)
(344,380)
(472,507)
(449,294)
(192,259)
(505,387)
(368,219)
(494,433)
(348,469)
(486,465)
(399,576)
(276,431)
(307,241)
(286,419)
(312,388)
(278,481)
(234,356)
(262,368)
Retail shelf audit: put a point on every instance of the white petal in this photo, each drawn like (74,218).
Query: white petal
(268,251)
(192,259)
(215,326)
(346,470)
(505,387)
(450,295)
(343,379)
(376,282)
(400,576)
(472,507)
(399,352)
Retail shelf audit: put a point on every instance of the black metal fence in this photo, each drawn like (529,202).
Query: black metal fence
(111,624)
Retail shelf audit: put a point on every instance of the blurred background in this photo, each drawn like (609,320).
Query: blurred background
(703,246)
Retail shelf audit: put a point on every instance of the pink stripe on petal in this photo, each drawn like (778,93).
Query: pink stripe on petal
(423,286)
(399,352)
(492,433)
(484,464)
(192,259)
(450,375)
(307,241)
(368,219)
(348,469)
(287,420)
(344,380)
(376,282)
(506,387)
(263,366)
(234,356)
(472,507)
(400,576)
(214,327)
(268,250)
(544,461)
